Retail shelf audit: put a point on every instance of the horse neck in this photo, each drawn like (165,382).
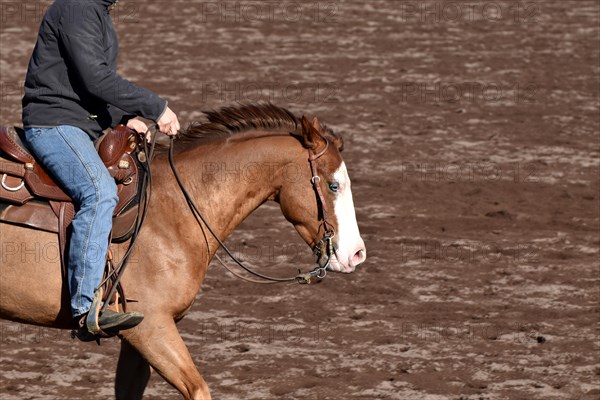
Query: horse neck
(228,180)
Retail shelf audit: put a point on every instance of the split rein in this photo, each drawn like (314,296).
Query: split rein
(323,247)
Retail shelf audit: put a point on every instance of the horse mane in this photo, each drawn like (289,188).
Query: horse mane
(235,120)
(229,121)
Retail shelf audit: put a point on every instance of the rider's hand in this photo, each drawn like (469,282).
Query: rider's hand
(139,127)
(168,123)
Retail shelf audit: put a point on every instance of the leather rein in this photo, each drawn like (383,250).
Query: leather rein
(323,247)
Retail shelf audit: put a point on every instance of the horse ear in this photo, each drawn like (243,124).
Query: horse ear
(310,135)
(316,124)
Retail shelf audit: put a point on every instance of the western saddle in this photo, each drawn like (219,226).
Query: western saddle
(30,197)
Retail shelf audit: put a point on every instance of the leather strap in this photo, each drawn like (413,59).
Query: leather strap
(65,211)
(316,181)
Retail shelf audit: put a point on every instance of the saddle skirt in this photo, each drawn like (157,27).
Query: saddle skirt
(30,197)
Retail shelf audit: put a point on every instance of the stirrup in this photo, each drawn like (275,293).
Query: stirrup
(91,322)
(90,330)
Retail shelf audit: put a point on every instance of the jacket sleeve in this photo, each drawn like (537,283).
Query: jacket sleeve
(119,116)
(84,51)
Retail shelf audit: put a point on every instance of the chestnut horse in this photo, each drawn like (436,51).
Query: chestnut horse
(173,254)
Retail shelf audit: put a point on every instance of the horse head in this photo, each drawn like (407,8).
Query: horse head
(318,200)
(312,184)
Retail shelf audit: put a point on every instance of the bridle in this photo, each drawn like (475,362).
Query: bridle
(323,247)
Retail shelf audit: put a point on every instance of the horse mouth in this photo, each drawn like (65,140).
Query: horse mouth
(332,262)
(336,266)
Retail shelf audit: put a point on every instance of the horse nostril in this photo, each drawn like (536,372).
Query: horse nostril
(359,257)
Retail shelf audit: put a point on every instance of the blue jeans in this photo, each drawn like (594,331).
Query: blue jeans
(69,155)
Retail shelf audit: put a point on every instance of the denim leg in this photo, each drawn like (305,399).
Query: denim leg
(69,155)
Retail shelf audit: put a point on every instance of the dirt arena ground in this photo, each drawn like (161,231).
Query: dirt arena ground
(472,139)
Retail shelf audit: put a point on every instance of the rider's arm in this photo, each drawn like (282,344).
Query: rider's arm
(84,50)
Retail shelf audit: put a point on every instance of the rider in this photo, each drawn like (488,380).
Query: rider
(72,93)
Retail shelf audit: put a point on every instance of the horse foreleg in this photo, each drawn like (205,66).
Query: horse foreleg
(160,344)
(133,373)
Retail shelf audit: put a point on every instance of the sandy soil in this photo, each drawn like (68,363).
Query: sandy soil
(472,140)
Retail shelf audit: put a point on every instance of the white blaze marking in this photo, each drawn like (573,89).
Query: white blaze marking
(348,236)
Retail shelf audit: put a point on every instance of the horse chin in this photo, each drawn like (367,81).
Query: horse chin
(336,266)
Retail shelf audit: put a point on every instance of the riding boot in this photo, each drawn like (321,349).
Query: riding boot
(110,322)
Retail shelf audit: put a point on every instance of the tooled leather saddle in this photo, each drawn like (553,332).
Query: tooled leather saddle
(30,197)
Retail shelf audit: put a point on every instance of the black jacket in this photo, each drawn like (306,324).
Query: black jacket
(72,75)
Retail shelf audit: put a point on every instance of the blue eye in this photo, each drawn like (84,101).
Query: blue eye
(334,186)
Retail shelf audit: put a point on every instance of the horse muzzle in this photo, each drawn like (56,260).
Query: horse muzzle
(332,259)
